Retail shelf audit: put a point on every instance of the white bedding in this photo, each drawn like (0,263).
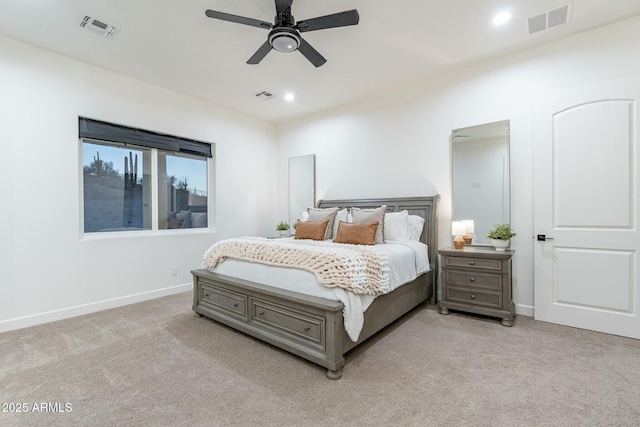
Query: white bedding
(407,260)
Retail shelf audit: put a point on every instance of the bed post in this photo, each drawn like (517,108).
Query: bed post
(433,246)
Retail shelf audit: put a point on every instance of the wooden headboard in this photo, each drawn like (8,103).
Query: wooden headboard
(426,207)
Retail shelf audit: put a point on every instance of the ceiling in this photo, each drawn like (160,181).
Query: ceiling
(174,45)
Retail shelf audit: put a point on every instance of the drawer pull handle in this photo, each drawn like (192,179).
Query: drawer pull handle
(472,263)
(473,279)
(306,328)
(261,313)
(206,295)
(235,305)
(473,296)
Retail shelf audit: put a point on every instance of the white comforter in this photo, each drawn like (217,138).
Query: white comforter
(407,259)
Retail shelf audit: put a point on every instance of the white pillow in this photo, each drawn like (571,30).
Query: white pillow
(342,215)
(396,226)
(416,223)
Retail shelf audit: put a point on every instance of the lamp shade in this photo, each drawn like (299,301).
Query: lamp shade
(458,228)
(469,226)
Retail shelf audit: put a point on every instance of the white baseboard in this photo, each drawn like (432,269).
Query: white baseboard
(79,310)
(525,310)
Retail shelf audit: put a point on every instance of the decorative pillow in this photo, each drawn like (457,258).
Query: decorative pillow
(357,234)
(186,217)
(396,226)
(198,219)
(174,223)
(316,214)
(314,230)
(416,223)
(342,215)
(365,216)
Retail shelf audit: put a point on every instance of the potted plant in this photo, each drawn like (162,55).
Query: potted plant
(283,228)
(500,236)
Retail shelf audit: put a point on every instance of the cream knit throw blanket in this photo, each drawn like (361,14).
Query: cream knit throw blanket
(356,268)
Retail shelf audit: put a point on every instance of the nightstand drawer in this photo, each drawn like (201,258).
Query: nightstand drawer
(485,299)
(473,279)
(475,263)
(229,301)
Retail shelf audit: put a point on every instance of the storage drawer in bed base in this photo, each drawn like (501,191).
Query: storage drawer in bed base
(302,325)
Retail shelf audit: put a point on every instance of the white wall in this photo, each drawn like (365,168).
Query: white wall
(47,271)
(397,144)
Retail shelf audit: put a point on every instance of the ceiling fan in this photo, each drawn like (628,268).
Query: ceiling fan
(284,34)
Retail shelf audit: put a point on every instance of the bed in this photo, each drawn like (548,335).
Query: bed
(309,326)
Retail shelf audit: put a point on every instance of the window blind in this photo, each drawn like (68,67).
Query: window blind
(103,131)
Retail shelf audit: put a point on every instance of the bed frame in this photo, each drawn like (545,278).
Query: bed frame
(308,326)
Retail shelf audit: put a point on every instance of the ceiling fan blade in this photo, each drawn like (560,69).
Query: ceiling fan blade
(283,6)
(260,54)
(310,53)
(238,19)
(341,19)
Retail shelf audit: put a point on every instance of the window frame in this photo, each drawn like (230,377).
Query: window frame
(154,196)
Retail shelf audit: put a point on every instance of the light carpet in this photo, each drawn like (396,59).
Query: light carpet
(154,364)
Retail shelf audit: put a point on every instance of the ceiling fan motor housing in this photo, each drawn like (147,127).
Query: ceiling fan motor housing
(284,39)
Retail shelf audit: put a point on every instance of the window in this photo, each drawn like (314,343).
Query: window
(182,191)
(119,168)
(116,187)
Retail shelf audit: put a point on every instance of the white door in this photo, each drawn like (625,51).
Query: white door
(586,199)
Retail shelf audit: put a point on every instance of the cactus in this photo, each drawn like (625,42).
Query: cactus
(130,171)
(130,182)
(98,163)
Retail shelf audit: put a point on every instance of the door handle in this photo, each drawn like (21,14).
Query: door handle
(543,238)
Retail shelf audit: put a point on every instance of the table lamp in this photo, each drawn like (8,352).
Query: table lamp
(470,230)
(458,229)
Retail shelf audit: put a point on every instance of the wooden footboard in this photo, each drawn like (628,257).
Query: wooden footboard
(307,326)
(312,327)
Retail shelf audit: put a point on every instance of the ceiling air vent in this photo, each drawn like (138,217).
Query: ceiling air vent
(265,95)
(549,19)
(106,30)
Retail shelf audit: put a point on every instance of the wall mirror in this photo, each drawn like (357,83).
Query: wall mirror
(480,176)
(302,185)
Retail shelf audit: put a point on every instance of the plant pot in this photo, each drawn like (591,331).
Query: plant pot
(283,233)
(500,245)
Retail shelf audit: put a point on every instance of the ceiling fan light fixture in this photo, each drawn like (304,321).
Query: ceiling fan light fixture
(284,40)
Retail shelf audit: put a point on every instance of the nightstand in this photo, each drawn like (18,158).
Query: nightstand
(477,279)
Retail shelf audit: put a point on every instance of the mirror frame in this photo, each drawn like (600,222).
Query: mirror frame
(506,184)
(307,166)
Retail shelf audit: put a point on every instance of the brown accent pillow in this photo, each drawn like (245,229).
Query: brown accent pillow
(357,234)
(314,230)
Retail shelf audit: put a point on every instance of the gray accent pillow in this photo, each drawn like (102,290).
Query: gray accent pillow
(365,216)
(316,214)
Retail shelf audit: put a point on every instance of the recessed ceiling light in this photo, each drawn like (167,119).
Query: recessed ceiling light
(289,97)
(501,18)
